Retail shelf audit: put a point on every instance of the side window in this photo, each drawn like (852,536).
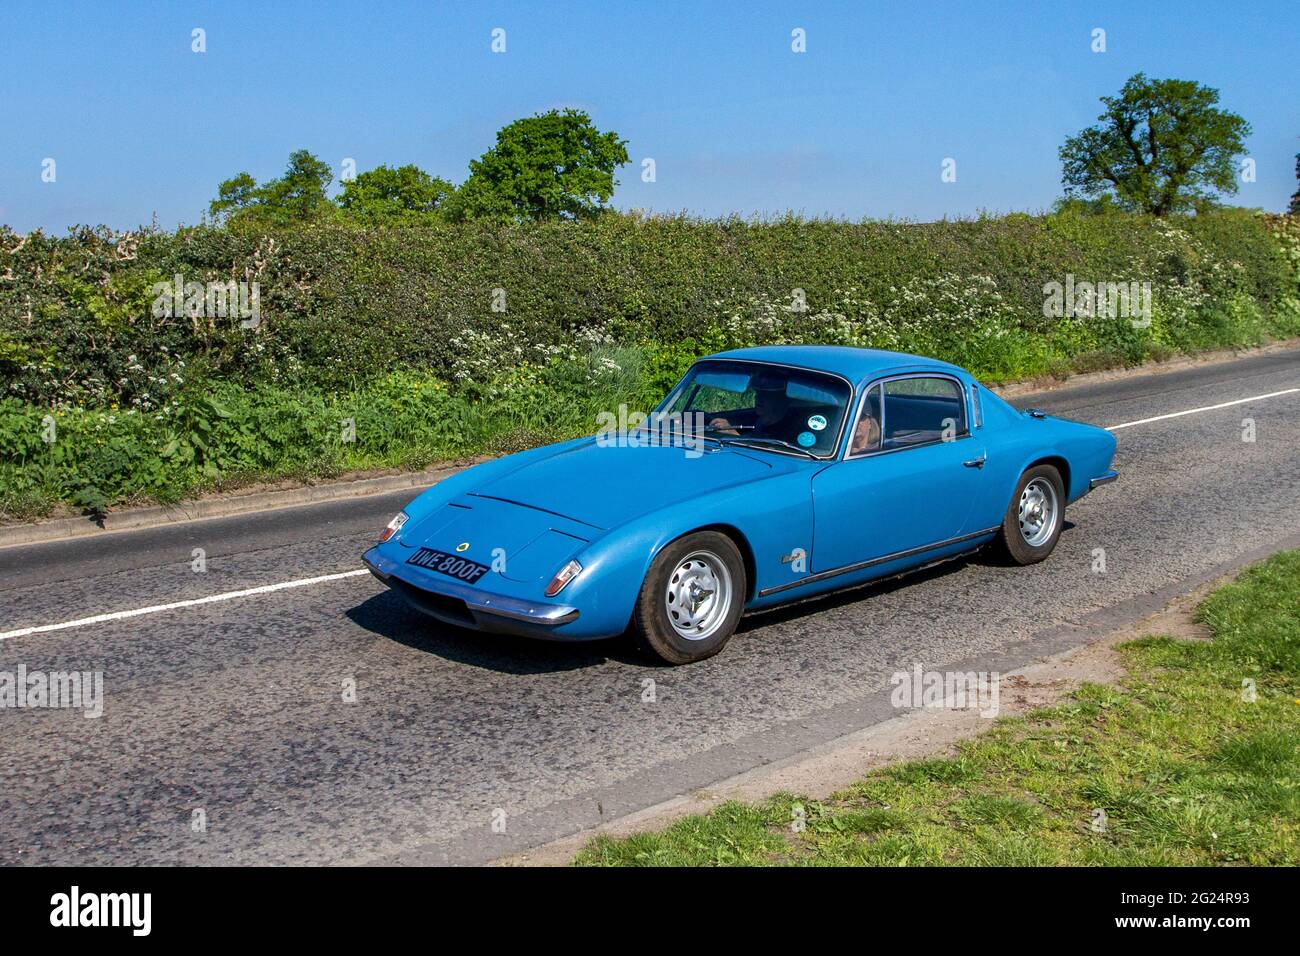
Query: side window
(921,410)
(977,413)
(866,433)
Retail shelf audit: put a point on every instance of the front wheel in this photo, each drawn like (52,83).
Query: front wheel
(692,598)
(1035,517)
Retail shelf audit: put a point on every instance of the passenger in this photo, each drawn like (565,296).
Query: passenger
(866,436)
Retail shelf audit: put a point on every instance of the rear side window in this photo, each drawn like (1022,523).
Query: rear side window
(976,412)
(921,410)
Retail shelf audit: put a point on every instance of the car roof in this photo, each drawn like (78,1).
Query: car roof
(853,363)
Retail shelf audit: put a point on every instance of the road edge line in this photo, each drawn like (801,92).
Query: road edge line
(137,519)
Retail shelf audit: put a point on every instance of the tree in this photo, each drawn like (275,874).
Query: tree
(555,165)
(300,192)
(1295,200)
(296,197)
(233,196)
(386,195)
(1162,147)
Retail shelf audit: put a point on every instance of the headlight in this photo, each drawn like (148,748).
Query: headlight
(563,577)
(393,526)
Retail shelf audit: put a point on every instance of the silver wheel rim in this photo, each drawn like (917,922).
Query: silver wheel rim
(1038,510)
(698,596)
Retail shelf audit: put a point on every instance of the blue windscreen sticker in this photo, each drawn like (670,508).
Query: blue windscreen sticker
(807,438)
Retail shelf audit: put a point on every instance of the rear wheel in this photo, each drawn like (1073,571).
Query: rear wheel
(692,598)
(1035,517)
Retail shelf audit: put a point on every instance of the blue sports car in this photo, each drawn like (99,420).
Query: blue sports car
(767,475)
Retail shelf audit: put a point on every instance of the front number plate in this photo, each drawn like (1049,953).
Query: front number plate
(448,564)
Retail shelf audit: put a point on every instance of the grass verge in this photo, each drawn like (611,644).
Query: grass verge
(1192,759)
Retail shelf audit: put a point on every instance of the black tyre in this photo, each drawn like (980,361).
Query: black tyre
(692,598)
(1035,517)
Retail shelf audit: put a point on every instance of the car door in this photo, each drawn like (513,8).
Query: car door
(908,479)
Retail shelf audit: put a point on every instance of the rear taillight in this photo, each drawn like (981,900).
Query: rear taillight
(563,577)
(393,526)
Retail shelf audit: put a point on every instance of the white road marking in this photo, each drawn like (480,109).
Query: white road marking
(154,609)
(304,582)
(1204,408)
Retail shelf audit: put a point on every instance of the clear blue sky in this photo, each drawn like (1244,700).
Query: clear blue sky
(857,126)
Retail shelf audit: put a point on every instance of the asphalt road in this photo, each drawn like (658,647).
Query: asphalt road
(238,708)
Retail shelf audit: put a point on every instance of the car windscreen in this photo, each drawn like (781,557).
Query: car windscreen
(772,406)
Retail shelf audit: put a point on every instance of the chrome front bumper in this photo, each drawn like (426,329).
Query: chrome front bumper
(1105,479)
(443,598)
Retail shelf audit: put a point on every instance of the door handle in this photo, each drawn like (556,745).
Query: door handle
(977,462)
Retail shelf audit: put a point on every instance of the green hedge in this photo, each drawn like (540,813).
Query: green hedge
(595,313)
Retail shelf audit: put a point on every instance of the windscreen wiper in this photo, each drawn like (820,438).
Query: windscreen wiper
(754,439)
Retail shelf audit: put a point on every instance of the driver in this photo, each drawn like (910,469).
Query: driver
(771,416)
